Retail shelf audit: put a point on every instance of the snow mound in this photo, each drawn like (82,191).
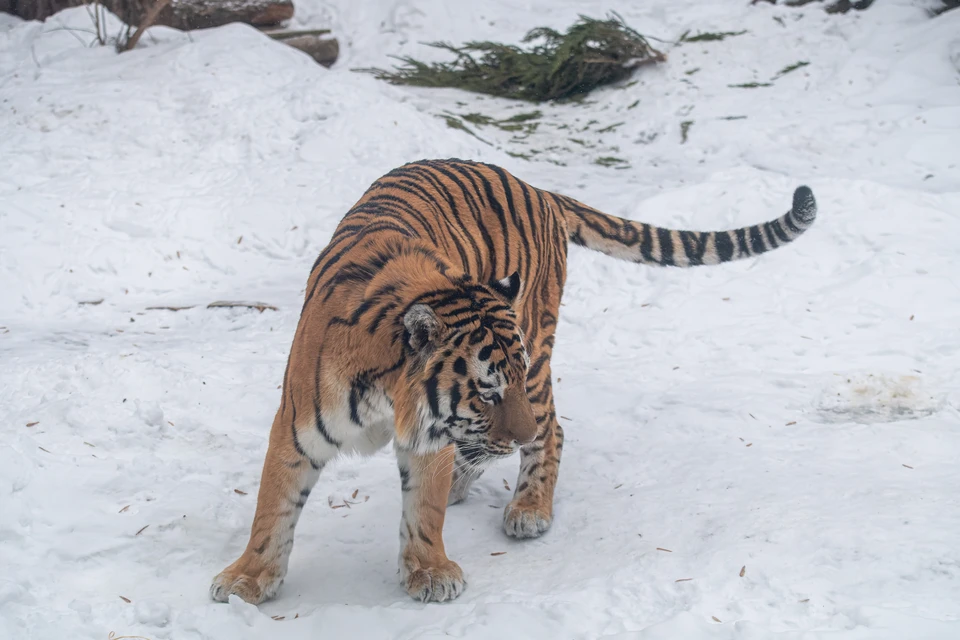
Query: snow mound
(705,489)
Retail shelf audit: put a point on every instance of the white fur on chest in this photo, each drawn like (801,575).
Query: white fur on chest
(361,421)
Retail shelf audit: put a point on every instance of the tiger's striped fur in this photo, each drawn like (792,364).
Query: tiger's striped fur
(429,319)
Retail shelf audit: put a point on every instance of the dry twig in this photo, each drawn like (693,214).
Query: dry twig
(148,19)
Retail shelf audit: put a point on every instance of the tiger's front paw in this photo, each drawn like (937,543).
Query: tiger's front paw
(525,521)
(253,585)
(437,583)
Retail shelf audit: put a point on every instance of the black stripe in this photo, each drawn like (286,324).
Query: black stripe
(497,208)
(666,246)
(416,188)
(383,225)
(778,229)
(349,274)
(446,215)
(385,206)
(771,238)
(357,391)
(724,246)
(455,399)
(508,194)
(296,441)
(791,225)
(432,396)
(526,237)
(490,255)
(469,196)
(694,246)
(405,207)
(537,365)
(756,240)
(376,374)
(646,245)
(742,248)
(318,418)
(381,316)
(354,318)
(332,261)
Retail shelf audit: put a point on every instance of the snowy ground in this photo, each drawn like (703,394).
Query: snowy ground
(787,428)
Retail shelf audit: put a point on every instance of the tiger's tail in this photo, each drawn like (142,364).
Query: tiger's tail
(648,244)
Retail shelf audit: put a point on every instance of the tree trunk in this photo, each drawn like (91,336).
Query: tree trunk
(181,14)
(203,14)
(39,9)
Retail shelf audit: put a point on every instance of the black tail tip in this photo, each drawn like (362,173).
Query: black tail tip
(804,205)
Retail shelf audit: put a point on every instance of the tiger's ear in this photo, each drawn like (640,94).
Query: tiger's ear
(423,328)
(508,287)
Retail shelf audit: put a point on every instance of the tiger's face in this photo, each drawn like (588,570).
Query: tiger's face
(468,370)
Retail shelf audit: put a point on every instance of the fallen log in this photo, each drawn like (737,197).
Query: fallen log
(316,43)
(185,15)
(204,14)
(283,35)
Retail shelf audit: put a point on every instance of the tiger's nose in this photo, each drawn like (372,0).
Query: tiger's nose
(524,434)
(523,426)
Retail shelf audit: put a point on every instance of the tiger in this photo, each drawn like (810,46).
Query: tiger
(429,320)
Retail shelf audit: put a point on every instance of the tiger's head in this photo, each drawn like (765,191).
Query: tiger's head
(466,371)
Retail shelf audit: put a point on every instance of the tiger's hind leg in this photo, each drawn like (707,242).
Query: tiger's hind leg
(289,474)
(530,513)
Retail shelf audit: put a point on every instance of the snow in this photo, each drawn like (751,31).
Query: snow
(792,418)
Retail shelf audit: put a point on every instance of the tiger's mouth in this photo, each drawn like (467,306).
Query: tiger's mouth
(498,451)
(479,451)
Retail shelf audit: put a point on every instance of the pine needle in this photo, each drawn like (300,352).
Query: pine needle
(554,66)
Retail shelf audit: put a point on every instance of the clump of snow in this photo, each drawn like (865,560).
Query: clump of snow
(705,436)
(869,398)
(156,614)
(150,413)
